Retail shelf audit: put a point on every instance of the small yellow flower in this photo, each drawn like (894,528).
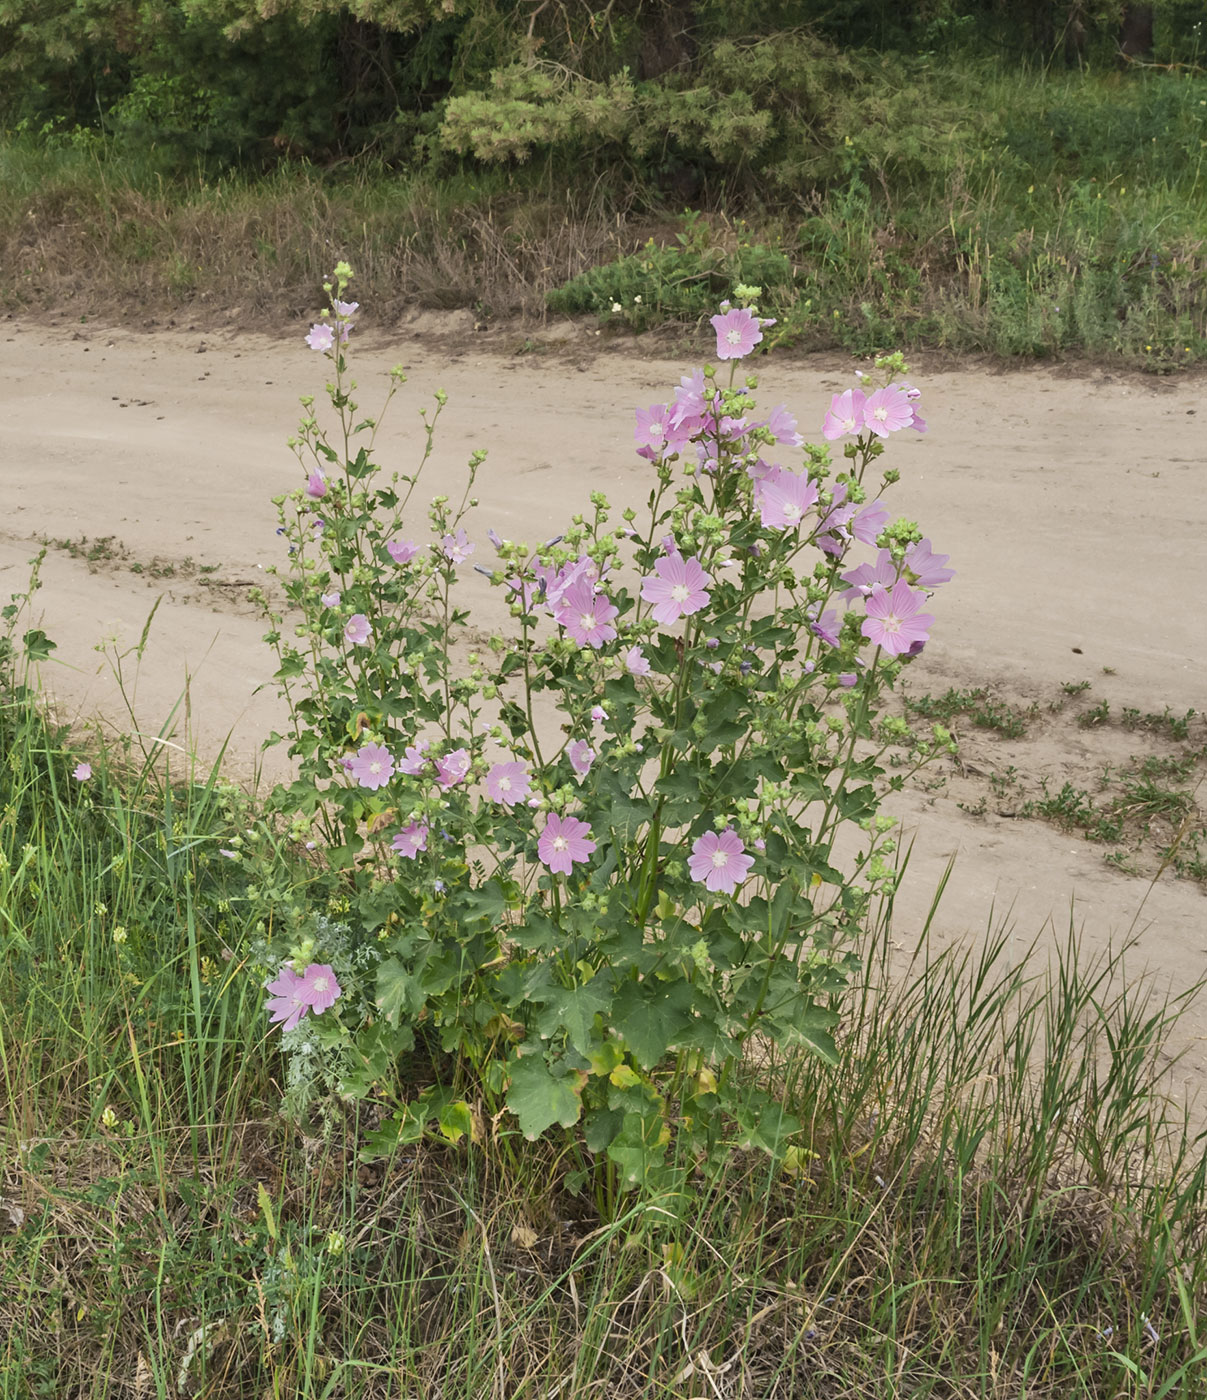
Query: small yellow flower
(109,1118)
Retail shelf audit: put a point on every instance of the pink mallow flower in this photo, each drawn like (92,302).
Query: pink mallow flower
(316,486)
(581,756)
(402,551)
(720,860)
(410,840)
(414,760)
(452,768)
(887,411)
(784,499)
(893,620)
(457,547)
(869,522)
(290,999)
(864,578)
(319,987)
(737,333)
(586,615)
(679,589)
(82,772)
(782,425)
(925,567)
(321,337)
(508,783)
(330,600)
(564,841)
(357,630)
(636,662)
(373,766)
(845,418)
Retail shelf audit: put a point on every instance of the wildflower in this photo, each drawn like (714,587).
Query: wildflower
(403,551)
(452,768)
(636,662)
(598,714)
(865,577)
(564,841)
(414,759)
(845,418)
(847,679)
(720,861)
(826,627)
(316,486)
(330,600)
(357,630)
(782,425)
(321,337)
(651,426)
(290,998)
(870,521)
(319,987)
(737,333)
(410,840)
(887,411)
(783,498)
(587,615)
(925,567)
(457,547)
(346,310)
(581,756)
(82,772)
(893,620)
(373,766)
(679,590)
(508,783)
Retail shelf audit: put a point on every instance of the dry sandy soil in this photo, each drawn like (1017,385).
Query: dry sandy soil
(1073,505)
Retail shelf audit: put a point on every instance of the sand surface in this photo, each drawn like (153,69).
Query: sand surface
(1073,505)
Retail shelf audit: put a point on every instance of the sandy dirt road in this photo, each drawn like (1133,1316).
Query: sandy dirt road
(1073,505)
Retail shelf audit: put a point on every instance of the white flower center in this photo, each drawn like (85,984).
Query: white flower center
(849,424)
(320,984)
(680,593)
(791,512)
(880,413)
(733,337)
(655,430)
(504,784)
(559,843)
(720,859)
(892,624)
(375,766)
(586,621)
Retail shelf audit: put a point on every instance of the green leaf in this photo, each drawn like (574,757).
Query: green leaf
(399,996)
(574,1009)
(538,1100)
(38,645)
(651,1016)
(639,1149)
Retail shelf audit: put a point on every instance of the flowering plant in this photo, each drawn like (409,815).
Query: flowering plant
(586,866)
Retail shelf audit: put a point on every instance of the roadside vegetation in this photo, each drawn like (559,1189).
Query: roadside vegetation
(955,176)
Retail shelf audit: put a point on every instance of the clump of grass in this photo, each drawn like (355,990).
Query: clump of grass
(980,707)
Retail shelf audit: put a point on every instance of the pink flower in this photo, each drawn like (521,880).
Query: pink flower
(652,424)
(865,577)
(316,486)
(330,600)
(586,615)
(410,840)
(887,411)
(581,756)
(403,551)
(783,499)
(847,679)
(893,620)
(373,766)
(564,841)
(679,589)
(357,630)
(319,987)
(598,714)
(508,783)
(636,662)
(845,418)
(782,425)
(321,337)
(719,859)
(414,760)
(457,547)
(346,310)
(870,521)
(737,333)
(452,768)
(82,772)
(826,627)
(925,567)
(290,998)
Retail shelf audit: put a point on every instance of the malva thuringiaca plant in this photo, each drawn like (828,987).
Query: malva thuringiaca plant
(581,871)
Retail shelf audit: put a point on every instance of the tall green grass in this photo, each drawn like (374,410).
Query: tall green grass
(998,1197)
